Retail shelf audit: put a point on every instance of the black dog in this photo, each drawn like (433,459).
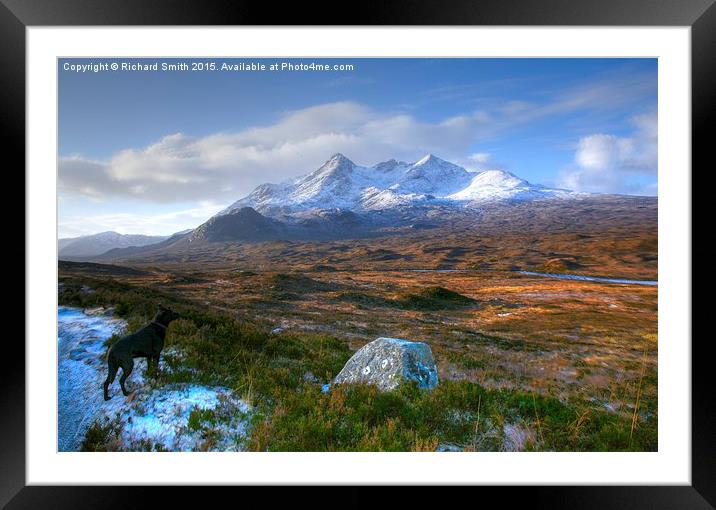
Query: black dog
(148,343)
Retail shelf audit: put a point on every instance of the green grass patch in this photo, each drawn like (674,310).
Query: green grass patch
(434,298)
(199,418)
(362,418)
(99,438)
(362,300)
(466,360)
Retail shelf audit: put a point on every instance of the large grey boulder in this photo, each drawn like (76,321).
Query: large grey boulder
(385,362)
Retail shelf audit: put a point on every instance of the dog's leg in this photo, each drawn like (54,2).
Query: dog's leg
(127,368)
(111,374)
(152,366)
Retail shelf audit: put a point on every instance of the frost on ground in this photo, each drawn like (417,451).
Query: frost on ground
(182,417)
(80,355)
(179,417)
(517,437)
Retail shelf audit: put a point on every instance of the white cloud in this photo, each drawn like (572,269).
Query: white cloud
(136,223)
(612,164)
(225,166)
(477,162)
(479,158)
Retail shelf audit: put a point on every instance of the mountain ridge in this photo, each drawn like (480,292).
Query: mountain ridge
(342,200)
(340,183)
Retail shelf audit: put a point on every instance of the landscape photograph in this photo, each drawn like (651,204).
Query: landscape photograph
(357,254)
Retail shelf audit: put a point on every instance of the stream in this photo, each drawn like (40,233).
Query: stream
(560,276)
(592,278)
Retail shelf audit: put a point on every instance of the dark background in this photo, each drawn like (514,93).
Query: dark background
(16,15)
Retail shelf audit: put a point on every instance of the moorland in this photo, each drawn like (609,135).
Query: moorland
(525,362)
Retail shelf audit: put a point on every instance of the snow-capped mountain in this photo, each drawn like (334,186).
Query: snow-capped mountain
(341,184)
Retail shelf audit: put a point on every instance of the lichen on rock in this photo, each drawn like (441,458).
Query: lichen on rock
(385,362)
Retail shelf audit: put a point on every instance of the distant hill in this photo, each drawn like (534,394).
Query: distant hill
(118,253)
(97,244)
(239,224)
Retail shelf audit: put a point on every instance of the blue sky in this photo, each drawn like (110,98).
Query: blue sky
(155,152)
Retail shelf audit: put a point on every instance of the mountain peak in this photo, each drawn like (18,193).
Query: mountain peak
(499,176)
(335,164)
(340,159)
(244,223)
(429,158)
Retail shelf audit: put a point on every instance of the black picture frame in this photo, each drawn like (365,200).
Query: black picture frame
(700,15)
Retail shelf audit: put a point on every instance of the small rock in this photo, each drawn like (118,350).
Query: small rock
(385,362)
(277,330)
(449,447)
(310,377)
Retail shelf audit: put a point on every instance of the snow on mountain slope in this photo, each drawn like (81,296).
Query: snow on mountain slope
(501,185)
(432,175)
(341,184)
(336,184)
(374,199)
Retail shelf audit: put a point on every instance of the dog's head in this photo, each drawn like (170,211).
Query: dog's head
(165,315)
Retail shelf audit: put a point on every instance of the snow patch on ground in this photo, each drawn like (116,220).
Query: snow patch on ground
(80,355)
(155,416)
(182,417)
